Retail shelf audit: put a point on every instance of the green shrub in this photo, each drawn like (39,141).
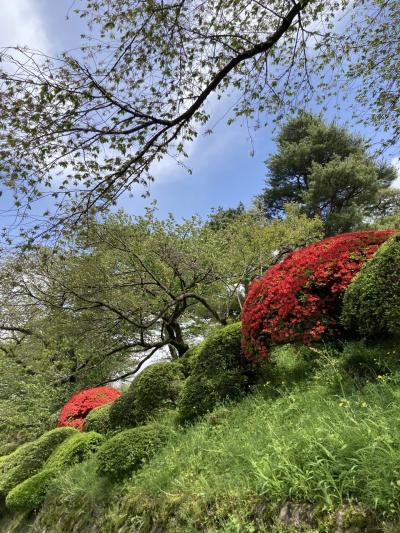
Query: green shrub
(122,413)
(371,303)
(156,388)
(186,362)
(199,396)
(8,447)
(219,371)
(76,501)
(127,451)
(31,493)
(99,419)
(30,457)
(74,450)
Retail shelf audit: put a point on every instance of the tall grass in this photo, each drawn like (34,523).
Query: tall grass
(76,502)
(330,441)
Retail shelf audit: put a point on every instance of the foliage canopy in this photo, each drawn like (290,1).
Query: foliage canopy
(94,123)
(327,170)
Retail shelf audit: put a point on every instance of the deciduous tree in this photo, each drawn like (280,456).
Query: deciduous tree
(84,128)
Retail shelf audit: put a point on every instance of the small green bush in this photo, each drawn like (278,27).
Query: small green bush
(8,447)
(371,303)
(219,371)
(127,451)
(199,396)
(186,362)
(155,389)
(31,493)
(76,449)
(99,419)
(30,457)
(122,413)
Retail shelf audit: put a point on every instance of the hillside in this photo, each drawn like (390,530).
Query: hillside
(303,438)
(321,450)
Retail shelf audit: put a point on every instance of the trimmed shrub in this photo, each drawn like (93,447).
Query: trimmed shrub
(300,298)
(30,457)
(155,389)
(31,493)
(80,404)
(371,303)
(199,396)
(74,450)
(122,413)
(8,447)
(127,451)
(98,419)
(186,362)
(219,371)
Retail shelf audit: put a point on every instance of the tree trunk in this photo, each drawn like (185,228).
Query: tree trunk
(176,345)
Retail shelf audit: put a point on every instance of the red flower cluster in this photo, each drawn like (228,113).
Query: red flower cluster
(299,299)
(80,404)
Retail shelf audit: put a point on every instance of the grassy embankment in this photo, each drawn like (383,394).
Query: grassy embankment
(325,435)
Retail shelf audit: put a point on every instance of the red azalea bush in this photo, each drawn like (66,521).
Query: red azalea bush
(299,299)
(81,403)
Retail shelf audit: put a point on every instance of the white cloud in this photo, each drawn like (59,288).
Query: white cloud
(21,24)
(396,163)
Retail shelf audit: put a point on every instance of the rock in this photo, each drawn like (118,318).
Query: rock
(297,515)
(354,519)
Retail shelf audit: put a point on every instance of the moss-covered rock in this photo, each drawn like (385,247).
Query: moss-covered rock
(31,493)
(156,388)
(128,450)
(219,371)
(29,458)
(371,303)
(99,420)
(351,518)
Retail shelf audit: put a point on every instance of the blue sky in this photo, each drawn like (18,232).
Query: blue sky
(224,172)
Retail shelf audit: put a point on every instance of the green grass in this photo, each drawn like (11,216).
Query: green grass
(77,500)
(332,440)
(307,446)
